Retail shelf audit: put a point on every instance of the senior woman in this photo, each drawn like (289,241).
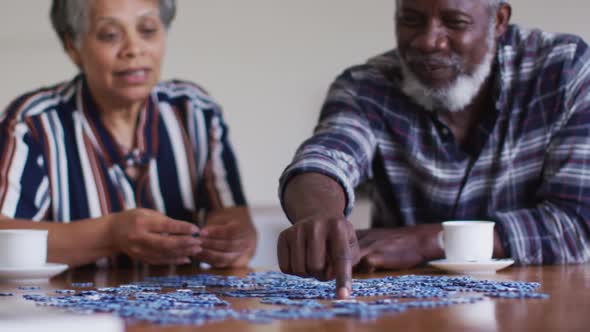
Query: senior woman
(117,162)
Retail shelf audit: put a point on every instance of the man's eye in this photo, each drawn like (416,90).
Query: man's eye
(409,20)
(457,24)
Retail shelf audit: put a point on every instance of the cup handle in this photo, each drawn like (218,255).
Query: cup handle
(440,240)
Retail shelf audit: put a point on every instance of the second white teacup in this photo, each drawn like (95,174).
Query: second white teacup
(23,248)
(467,240)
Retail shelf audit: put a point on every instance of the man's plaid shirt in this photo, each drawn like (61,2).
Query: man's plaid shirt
(528,167)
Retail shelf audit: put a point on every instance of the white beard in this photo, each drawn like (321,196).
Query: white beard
(458,95)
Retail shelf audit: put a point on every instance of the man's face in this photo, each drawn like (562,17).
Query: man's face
(441,40)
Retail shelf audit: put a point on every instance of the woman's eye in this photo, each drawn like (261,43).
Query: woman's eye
(148,27)
(149,31)
(108,36)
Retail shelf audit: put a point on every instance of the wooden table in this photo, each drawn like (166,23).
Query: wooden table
(568,309)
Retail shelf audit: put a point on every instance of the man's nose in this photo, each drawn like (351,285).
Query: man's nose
(433,38)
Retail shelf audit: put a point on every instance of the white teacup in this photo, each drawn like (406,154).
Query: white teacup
(23,248)
(467,241)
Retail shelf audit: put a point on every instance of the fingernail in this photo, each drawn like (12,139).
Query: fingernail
(343,293)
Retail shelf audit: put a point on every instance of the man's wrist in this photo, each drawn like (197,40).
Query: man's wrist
(499,249)
(429,242)
(319,216)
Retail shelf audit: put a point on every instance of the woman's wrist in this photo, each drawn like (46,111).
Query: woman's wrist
(108,230)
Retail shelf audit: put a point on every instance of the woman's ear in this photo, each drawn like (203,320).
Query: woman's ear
(73,52)
(503,18)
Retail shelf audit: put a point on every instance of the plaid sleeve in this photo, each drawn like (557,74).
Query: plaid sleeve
(24,184)
(342,145)
(557,230)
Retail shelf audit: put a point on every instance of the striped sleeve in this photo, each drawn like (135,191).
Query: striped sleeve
(24,185)
(221,176)
(342,146)
(557,230)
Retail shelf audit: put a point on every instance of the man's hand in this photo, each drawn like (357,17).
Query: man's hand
(153,238)
(228,238)
(320,247)
(397,248)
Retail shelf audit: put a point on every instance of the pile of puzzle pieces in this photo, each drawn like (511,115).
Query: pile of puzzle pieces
(198,299)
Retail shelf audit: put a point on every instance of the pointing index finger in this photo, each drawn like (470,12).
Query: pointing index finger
(341,257)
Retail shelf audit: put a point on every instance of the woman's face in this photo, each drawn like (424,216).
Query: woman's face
(121,50)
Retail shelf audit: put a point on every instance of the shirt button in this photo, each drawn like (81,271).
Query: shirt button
(445,132)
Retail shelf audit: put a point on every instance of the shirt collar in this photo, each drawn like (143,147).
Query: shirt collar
(146,133)
(503,69)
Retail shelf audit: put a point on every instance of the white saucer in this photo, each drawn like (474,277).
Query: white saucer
(490,266)
(33,273)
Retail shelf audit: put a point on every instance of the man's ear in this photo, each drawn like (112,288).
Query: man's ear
(73,52)
(503,19)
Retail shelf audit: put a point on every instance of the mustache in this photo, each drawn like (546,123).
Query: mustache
(430,60)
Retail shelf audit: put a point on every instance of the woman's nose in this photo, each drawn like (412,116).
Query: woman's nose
(133,47)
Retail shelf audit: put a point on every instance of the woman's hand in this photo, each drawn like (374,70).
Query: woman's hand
(228,238)
(153,238)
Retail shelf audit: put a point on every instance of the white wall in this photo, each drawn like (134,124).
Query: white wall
(269,62)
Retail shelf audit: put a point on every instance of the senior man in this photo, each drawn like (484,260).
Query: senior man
(469,118)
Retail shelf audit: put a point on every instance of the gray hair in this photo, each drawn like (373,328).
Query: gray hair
(69,18)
